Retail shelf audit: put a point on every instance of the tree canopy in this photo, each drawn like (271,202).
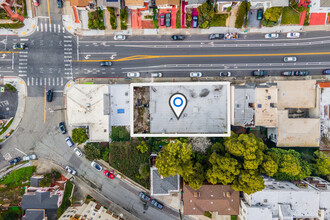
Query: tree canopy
(321,167)
(79,135)
(273,14)
(93,151)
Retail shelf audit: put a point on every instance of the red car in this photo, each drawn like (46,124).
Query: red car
(162,19)
(36,2)
(109,174)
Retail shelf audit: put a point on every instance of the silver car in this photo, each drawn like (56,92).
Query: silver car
(196,74)
(29,157)
(97,166)
(119,37)
(290,59)
(70,170)
(268,36)
(78,152)
(156,74)
(133,74)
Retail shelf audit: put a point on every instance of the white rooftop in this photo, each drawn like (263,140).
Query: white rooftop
(119,102)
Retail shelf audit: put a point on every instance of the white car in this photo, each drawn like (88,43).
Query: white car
(156,74)
(30,157)
(268,36)
(97,166)
(133,74)
(196,74)
(78,152)
(290,59)
(293,35)
(70,170)
(119,37)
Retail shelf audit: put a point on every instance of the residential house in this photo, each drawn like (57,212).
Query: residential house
(268,3)
(135,4)
(306,199)
(224,4)
(35,214)
(220,199)
(162,186)
(109,3)
(80,3)
(167,3)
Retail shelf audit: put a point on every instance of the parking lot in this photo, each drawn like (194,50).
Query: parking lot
(252,18)
(8,104)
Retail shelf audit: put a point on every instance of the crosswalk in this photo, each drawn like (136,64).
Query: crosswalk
(46,81)
(23,59)
(46,27)
(67,55)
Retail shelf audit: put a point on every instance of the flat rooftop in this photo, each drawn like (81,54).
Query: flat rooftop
(206,114)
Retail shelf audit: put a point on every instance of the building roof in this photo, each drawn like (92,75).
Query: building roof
(88,105)
(134,2)
(214,198)
(167,2)
(244,101)
(109,3)
(325,3)
(119,105)
(35,180)
(266,106)
(272,3)
(163,185)
(80,3)
(34,214)
(190,2)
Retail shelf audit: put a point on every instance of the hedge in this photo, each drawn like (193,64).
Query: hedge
(241,14)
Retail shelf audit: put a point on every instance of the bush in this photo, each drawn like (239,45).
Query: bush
(123,18)
(273,14)
(228,9)
(155,17)
(12,25)
(269,23)
(10,87)
(96,20)
(208,214)
(178,18)
(113,20)
(66,199)
(188,20)
(119,133)
(79,135)
(301,9)
(306,22)
(49,178)
(241,14)
(142,147)
(93,151)
(219,20)
(4,128)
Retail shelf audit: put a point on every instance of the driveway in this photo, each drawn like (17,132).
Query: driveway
(252,18)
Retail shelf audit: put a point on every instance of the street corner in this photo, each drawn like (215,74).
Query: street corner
(30,26)
(68,86)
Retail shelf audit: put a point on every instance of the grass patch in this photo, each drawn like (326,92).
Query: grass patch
(12,213)
(155,18)
(219,20)
(289,16)
(125,157)
(16,177)
(233,217)
(4,128)
(208,214)
(10,87)
(66,199)
(25,10)
(120,133)
(79,135)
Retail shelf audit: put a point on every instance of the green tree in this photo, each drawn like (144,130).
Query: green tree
(175,158)
(269,166)
(93,151)
(321,167)
(249,182)
(196,179)
(142,147)
(105,154)
(79,135)
(273,14)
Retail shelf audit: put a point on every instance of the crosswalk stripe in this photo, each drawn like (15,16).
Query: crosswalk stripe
(45,27)
(53,81)
(63,30)
(41,81)
(61,81)
(54,27)
(36,81)
(49,81)
(24,39)
(45,81)
(28,81)
(59,28)
(41,28)
(68,36)
(32,81)
(38,28)
(67,52)
(50,28)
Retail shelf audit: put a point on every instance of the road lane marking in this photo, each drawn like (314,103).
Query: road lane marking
(48,12)
(20,151)
(45,101)
(22,75)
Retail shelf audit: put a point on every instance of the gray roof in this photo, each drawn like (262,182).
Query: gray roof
(163,186)
(325,3)
(34,181)
(31,214)
(109,3)
(196,1)
(274,3)
(39,200)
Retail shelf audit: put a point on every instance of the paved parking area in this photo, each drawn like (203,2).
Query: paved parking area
(252,18)
(8,104)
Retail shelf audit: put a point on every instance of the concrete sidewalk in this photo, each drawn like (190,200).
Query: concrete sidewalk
(30,25)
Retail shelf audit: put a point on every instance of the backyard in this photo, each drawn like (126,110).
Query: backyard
(289,16)
(95,19)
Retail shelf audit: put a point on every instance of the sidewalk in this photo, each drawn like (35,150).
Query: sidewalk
(22,93)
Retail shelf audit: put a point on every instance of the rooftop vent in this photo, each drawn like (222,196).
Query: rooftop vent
(228,194)
(196,194)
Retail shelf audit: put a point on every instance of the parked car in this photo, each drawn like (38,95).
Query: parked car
(119,37)
(195,21)
(168,20)
(178,37)
(133,74)
(162,19)
(96,166)
(49,95)
(326,72)
(259,73)
(70,170)
(196,74)
(69,142)
(77,151)
(287,73)
(109,174)
(290,59)
(225,74)
(260,14)
(59,3)
(29,157)
(62,128)
(156,74)
(105,63)
(216,36)
(19,46)
(293,35)
(157,204)
(36,3)
(301,73)
(144,197)
(15,161)
(268,36)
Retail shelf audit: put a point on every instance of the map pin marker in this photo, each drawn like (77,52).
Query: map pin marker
(178,103)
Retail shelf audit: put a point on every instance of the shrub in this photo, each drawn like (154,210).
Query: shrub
(123,18)
(273,14)
(142,147)
(12,25)
(49,178)
(120,134)
(93,151)
(96,20)
(301,9)
(188,20)
(113,20)
(241,14)
(79,135)
(219,20)
(66,199)
(208,214)
(10,87)
(178,18)
(155,17)
(228,9)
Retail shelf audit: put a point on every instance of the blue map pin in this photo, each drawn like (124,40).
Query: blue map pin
(178,103)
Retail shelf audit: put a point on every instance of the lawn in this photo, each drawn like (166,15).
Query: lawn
(219,20)
(289,16)
(16,177)
(66,199)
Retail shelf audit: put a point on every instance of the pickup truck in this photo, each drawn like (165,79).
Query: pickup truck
(231,36)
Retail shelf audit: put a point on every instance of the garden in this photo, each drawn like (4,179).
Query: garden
(242,14)
(123,18)
(290,16)
(96,20)
(208,17)
(113,20)
(271,16)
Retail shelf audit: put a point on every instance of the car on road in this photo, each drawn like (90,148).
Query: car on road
(196,74)
(19,46)
(144,196)
(162,19)
(29,157)
(178,37)
(77,152)
(109,174)
(225,74)
(15,161)
(301,73)
(168,20)
(287,73)
(156,75)
(49,95)
(35,2)
(216,36)
(70,170)
(269,36)
(326,72)
(62,127)
(157,204)
(105,63)
(293,35)
(259,73)
(59,3)
(260,13)
(290,59)
(133,74)
(119,37)
(69,142)
(195,21)
(97,166)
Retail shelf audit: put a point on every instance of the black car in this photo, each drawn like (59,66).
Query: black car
(178,37)
(62,127)
(144,197)
(259,73)
(50,95)
(301,73)
(59,3)
(157,204)
(216,36)
(105,63)
(15,161)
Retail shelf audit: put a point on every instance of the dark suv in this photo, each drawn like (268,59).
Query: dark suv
(59,3)
(50,95)
(15,161)
(62,127)
(259,73)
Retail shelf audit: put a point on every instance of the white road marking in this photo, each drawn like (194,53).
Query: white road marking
(61,81)
(99,53)
(37,82)
(58,28)
(50,28)
(45,27)
(41,27)
(63,29)
(53,81)
(41,81)
(54,27)
(57,81)
(68,36)
(20,151)
(28,81)
(67,52)
(32,80)
(22,75)
(45,81)
(49,81)
(24,39)
(69,49)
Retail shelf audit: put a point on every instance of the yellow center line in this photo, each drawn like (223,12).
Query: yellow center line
(45,101)
(50,21)
(142,57)
(9,52)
